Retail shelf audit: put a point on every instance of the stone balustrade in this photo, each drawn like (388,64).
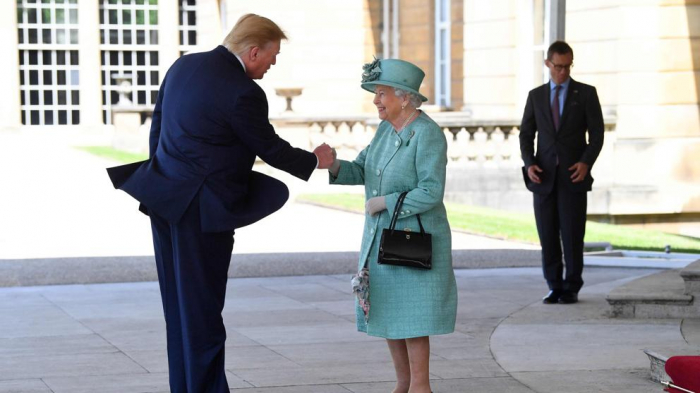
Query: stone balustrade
(470,142)
(480,143)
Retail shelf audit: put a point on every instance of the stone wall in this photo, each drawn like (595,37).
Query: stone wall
(643,57)
(324,54)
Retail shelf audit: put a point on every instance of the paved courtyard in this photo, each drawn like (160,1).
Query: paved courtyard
(297,334)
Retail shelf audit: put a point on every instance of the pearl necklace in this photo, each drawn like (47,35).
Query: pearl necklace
(406,121)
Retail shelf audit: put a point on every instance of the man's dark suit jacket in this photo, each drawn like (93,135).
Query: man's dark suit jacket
(581,112)
(209,123)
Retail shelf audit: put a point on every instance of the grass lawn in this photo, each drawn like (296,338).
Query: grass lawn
(518,226)
(113,154)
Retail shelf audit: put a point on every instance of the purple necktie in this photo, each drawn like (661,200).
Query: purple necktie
(555,108)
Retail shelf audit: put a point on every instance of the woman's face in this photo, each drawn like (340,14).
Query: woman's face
(388,104)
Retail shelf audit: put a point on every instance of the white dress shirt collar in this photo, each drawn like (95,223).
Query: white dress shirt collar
(241,60)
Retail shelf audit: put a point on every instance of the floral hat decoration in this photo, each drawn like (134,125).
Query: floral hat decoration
(395,73)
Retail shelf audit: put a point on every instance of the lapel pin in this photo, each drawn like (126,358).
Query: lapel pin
(410,136)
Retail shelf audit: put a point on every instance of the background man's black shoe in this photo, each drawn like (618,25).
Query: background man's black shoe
(568,298)
(552,297)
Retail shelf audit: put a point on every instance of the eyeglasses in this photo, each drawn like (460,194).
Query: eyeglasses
(562,67)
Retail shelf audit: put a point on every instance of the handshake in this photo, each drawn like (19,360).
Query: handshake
(327,158)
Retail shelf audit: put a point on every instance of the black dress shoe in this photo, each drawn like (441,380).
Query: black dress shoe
(552,297)
(568,298)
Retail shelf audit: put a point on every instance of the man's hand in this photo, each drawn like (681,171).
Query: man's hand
(375,205)
(580,171)
(532,173)
(324,153)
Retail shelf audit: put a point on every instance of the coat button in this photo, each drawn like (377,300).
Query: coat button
(374,192)
(379,172)
(397,143)
(371,230)
(408,212)
(402,213)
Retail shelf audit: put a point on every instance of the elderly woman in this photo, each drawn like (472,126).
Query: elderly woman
(407,153)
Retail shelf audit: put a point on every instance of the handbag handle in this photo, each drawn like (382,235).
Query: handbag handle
(399,202)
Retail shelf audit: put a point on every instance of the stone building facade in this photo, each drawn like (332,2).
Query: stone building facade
(64,62)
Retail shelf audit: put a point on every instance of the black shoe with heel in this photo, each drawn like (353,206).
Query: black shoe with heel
(552,297)
(568,297)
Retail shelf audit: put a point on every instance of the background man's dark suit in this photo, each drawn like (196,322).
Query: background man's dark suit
(209,123)
(560,204)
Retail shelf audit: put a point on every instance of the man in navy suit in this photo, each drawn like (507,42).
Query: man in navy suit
(558,173)
(209,123)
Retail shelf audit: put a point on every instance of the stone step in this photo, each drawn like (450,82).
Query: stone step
(659,295)
(659,356)
(657,366)
(639,259)
(691,278)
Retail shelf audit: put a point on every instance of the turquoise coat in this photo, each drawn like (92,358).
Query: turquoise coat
(406,302)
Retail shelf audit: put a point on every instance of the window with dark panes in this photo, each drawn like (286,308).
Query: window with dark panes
(129,52)
(188,25)
(48,61)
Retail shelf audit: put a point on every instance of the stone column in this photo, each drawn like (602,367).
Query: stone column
(10,115)
(210,32)
(457,53)
(490,59)
(90,66)
(417,39)
(528,65)
(557,20)
(168,34)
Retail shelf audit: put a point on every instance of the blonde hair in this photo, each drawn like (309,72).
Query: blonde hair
(252,30)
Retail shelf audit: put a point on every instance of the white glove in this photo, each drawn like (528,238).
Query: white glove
(375,205)
(335,165)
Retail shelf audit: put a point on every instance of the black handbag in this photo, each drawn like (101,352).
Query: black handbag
(405,248)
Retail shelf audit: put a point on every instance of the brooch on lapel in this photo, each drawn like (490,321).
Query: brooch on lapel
(410,135)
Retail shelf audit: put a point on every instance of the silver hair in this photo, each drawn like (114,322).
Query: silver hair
(413,98)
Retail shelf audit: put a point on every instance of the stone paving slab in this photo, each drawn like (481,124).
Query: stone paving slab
(50,346)
(68,364)
(603,381)
(24,386)
(495,385)
(38,321)
(132,383)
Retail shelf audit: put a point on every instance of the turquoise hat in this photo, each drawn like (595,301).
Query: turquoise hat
(394,73)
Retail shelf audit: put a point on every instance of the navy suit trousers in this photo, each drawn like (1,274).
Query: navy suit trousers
(561,221)
(192,272)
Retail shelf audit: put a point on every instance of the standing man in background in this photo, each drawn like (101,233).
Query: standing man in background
(209,123)
(560,113)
